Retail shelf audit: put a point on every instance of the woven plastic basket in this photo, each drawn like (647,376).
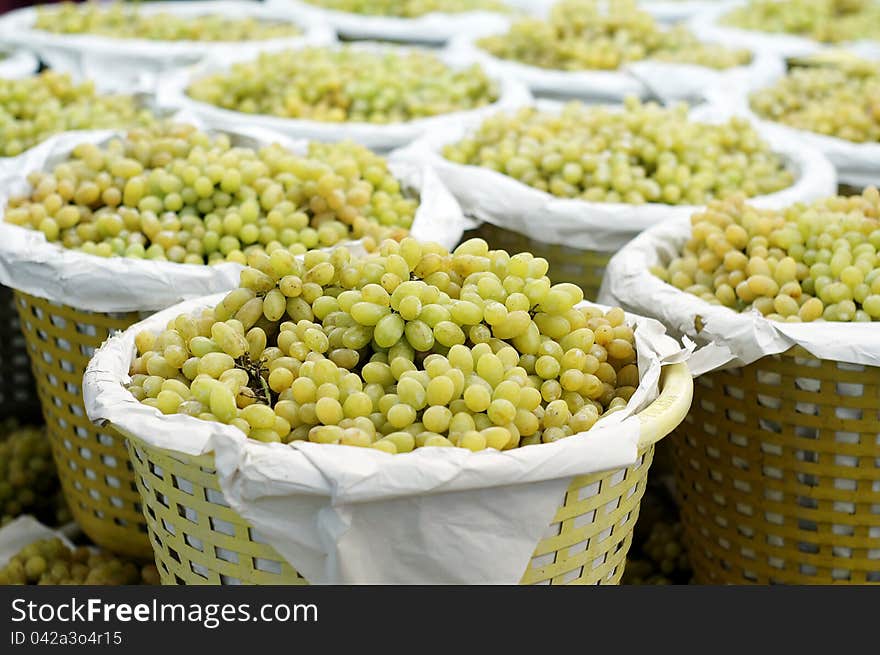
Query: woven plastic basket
(93,465)
(778,473)
(584,268)
(198,539)
(18,394)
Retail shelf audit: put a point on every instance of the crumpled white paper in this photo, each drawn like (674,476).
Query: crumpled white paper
(495,198)
(25,530)
(434,28)
(857,164)
(15,64)
(344,515)
(728,338)
(708,24)
(47,270)
(381,137)
(126,65)
(664,81)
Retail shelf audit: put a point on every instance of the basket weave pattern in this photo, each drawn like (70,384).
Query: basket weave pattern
(778,471)
(92,463)
(585,268)
(18,393)
(199,539)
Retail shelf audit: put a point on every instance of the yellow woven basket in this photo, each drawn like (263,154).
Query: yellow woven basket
(585,268)
(18,394)
(198,539)
(93,465)
(778,473)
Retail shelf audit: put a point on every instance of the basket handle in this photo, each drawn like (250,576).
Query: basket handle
(663,415)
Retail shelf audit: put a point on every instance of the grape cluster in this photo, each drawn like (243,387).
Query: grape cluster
(661,559)
(347,84)
(591,35)
(172,192)
(828,21)
(410,346)
(842,101)
(643,153)
(34,108)
(50,562)
(410,8)
(804,263)
(122,21)
(28,481)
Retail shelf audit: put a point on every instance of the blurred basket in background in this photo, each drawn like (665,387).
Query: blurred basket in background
(93,466)
(778,473)
(18,393)
(199,539)
(584,268)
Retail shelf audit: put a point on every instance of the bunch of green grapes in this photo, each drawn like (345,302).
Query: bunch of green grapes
(28,480)
(661,559)
(411,346)
(643,153)
(842,101)
(347,84)
(50,562)
(591,35)
(829,21)
(804,263)
(34,108)
(123,21)
(171,192)
(410,8)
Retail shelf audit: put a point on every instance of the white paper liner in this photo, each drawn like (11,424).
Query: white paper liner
(493,197)
(708,24)
(434,28)
(345,515)
(381,137)
(23,531)
(15,64)
(676,11)
(857,164)
(47,270)
(134,64)
(729,338)
(664,81)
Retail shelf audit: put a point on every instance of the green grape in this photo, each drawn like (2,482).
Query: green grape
(50,562)
(829,21)
(842,101)
(410,8)
(347,84)
(347,366)
(642,153)
(28,479)
(34,108)
(113,200)
(123,21)
(767,260)
(593,35)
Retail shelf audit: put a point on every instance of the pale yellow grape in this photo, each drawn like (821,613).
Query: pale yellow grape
(123,21)
(642,153)
(34,108)
(343,365)
(410,8)
(163,193)
(346,84)
(841,101)
(829,21)
(800,264)
(589,34)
